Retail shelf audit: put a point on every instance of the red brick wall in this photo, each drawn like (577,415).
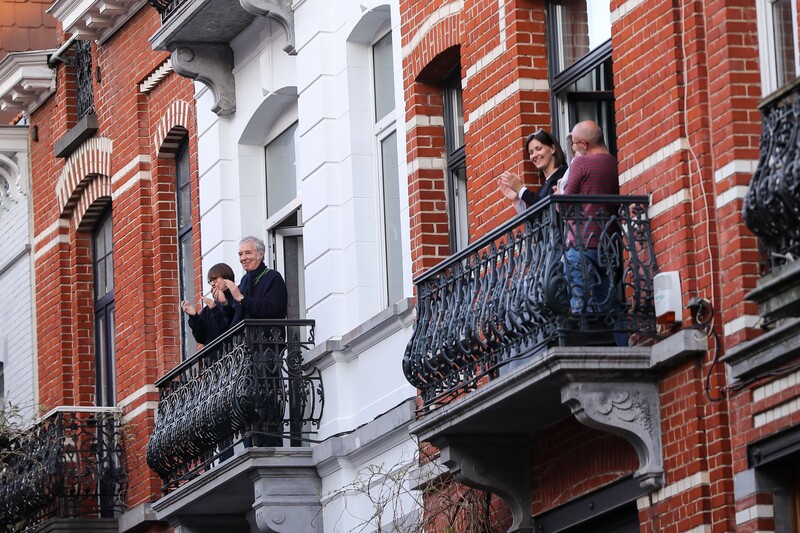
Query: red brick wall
(570,460)
(687,87)
(145,241)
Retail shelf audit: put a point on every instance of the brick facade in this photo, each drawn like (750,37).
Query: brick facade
(127,168)
(686,92)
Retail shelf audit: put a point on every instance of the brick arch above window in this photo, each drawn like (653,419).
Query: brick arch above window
(91,160)
(172,128)
(92,203)
(435,34)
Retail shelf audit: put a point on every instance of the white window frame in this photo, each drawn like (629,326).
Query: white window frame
(274,227)
(383,128)
(766,45)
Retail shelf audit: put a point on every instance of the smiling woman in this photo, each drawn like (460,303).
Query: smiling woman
(547,156)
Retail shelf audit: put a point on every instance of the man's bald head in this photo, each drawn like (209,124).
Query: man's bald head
(588,131)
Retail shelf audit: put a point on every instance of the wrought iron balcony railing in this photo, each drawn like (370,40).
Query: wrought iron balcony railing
(83,72)
(772,205)
(249,387)
(571,270)
(69,465)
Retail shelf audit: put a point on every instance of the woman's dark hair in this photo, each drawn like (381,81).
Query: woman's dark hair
(221,270)
(547,140)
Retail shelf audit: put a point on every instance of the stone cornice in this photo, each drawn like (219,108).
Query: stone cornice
(25,80)
(94,19)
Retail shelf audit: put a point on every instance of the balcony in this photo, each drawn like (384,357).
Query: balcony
(551,314)
(772,211)
(198,33)
(69,467)
(235,417)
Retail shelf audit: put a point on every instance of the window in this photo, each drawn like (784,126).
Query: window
(581,68)
(185,255)
(281,172)
(776,461)
(456,161)
(105,393)
(389,184)
(777,28)
(284,223)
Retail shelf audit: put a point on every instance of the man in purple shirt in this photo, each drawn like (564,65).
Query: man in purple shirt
(594,172)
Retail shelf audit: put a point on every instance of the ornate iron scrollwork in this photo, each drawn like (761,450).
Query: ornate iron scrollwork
(83,73)
(572,270)
(250,387)
(70,464)
(772,205)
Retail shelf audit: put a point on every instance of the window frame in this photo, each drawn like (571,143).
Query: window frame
(185,233)
(457,208)
(104,319)
(564,117)
(768,57)
(285,223)
(383,129)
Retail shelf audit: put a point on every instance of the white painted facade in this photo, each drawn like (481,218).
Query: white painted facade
(17,346)
(327,89)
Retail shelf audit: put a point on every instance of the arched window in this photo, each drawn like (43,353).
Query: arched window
(105,361)
(185,255)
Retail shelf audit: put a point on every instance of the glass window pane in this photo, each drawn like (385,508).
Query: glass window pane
(281,174)
(110,273)
(384,76)
(391,218)
(292,250)
(184,190)
(454,116)
(583,25)
(111,361)
(784,41)
(458,209)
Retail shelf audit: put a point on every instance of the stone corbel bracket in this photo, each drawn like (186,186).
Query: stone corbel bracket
(628,409)
(279,11)
(287,500)
(499,464)
(211,65)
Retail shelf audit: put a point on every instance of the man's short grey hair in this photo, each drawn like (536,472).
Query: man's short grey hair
(257,243)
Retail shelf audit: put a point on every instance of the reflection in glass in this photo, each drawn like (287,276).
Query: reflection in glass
(784,41)
(281,174)
(583,25)
(384,76)
(391,218)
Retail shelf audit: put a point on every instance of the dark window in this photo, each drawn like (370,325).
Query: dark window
(185,255)
(776,460)
(105,393)
(609,509)
(456,160)
(581,73)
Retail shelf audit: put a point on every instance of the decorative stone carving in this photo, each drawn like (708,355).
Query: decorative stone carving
(211,65)
(497,463)
(279,11)
(287,500)
(628,409)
